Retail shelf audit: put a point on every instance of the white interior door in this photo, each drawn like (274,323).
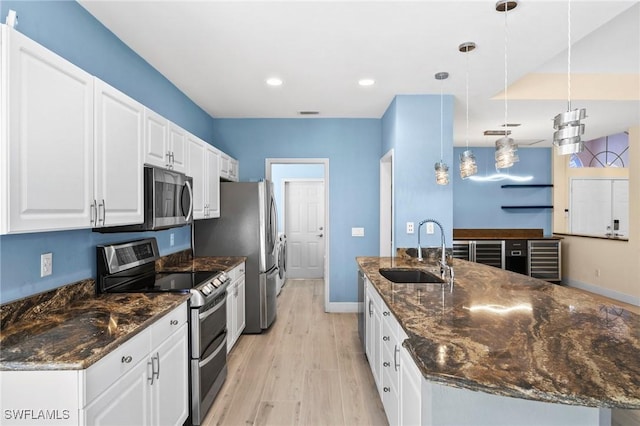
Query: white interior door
(304,227)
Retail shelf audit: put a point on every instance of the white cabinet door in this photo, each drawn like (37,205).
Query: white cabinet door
(196,161)
(156,134)
(410,390)
(119,141)
(231,316)
(170,392)
(374,335)
(212,208)
(177,148)
(125,403)
(240,303)
(48,109)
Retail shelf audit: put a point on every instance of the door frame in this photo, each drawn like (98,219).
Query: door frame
(387,204)
(327,226)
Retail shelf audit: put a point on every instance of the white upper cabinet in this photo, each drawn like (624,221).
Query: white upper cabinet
(178,147)
(46,139)
(165,143)
(119,141)
(202,166)
(213,182)
(228,168)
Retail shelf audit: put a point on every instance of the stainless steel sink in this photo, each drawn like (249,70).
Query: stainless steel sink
(409,276)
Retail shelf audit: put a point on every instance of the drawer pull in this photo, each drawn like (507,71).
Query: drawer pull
(173,322)
(127,359)
(386,313)
(386,389)
(386,338)
(386,364)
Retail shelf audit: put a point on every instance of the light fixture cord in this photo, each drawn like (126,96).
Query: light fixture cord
(441,123)
(569,55)
(467,95)
(506,39)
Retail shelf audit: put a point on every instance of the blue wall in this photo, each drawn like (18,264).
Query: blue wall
(478,204)
(353,149)
(411,126)
(69,30)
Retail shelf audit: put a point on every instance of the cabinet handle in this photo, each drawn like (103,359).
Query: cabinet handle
(173,322)
(94,215)
(102,206)
(386,338)
(386,389)
(396,364)
(126,359)
(386,364)
(153,370)
(386,313)
(158,372)
(370,310)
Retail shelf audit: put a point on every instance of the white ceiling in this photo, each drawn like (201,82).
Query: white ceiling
(219,53)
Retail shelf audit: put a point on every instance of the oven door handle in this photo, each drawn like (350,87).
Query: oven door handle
(207,360)
(209,312)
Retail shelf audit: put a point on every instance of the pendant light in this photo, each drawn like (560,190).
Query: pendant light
(468,166)
(566,138)
(506,149)
(442,170)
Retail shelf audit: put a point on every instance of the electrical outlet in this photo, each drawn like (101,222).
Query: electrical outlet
(46,264)
(597,272)
(171,240)
(430,229)
(409,227)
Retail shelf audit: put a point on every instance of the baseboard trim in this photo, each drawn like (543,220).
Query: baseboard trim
(343,307)
(632,300)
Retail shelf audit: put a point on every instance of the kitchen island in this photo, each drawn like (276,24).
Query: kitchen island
(507,340)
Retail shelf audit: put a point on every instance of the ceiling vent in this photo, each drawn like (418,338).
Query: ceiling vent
(497,132)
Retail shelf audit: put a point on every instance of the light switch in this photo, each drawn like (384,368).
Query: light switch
(357,232)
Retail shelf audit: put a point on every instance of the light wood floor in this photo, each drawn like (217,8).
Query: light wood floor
(307,369)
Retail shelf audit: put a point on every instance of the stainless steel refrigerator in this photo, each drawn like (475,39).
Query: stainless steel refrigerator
(247,226)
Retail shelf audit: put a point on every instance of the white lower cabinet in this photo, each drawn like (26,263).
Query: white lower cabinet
(373,326)
(236,319)
(142,382)
(155,390)
(397,377)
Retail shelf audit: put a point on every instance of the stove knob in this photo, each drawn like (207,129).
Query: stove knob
(206,290)
(216,282)
(210,288)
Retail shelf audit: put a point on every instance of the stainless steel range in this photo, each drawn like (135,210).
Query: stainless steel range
(129,267)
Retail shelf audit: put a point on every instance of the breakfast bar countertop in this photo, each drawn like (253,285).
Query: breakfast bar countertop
(508,334)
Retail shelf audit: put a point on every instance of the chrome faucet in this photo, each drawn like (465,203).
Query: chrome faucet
(443,259)
(443,262)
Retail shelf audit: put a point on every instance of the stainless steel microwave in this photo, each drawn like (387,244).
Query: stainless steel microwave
(168,201)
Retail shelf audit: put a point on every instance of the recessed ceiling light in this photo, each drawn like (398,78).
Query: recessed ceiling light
(366,82)
(308,112)
(274,81)
(497,132)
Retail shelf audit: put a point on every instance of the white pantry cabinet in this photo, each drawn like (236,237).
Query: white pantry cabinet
(165,143)
(236,319)
(119,141)
(46,139)
(202,166)
(142,382)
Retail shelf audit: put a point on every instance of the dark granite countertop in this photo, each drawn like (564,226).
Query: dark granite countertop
(508,334)
(70,328)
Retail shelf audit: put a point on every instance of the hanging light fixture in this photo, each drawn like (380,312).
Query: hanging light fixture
(442,170)
(506,149)
(468,166)
(566,138)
